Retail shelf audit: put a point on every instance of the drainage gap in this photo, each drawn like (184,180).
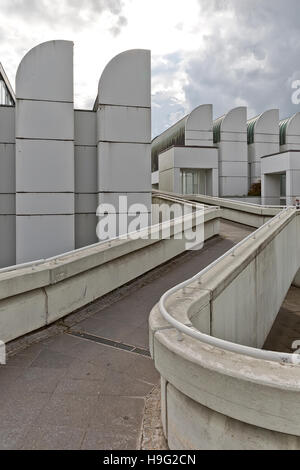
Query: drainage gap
(112,344)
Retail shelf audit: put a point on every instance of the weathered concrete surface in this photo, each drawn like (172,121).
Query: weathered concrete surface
(152,437)
(257,393)
(65,392)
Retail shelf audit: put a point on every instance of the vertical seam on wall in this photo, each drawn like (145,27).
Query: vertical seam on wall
(256,302)
(166,410)
(46,304)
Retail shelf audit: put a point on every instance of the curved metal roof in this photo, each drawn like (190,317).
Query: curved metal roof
(283,125)
(175,135)
(250,128)
(217,128)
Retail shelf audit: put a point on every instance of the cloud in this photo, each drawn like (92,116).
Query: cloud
(116,30)
(249,55)
(71,13)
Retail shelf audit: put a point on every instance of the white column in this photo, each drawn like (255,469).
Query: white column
(124,133)
(45,152)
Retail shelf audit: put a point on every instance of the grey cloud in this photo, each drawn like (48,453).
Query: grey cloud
(122,22)
(253,62)
(165,111)
(62,12)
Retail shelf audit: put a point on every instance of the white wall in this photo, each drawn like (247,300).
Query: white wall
(7,187)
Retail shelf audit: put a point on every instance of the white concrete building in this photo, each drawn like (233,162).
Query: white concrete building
(185,155)
(230,136)
(263,139)
(57,163)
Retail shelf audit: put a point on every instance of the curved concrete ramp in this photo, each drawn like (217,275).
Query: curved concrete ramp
(209,385)
(70,392)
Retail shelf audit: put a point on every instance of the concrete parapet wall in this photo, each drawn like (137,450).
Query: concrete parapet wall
(253,215)
(206,388)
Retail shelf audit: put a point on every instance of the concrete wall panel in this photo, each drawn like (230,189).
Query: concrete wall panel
(46,166)
(124,168)
(38,229)
(46,73)
(44,120)
(124,124)
(85,127)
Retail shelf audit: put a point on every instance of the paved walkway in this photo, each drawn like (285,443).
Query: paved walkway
(72,390)
(286,328)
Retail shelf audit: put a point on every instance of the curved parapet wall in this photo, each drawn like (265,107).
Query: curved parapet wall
(45,152)
(124,132)
(263,139)
(213,398)
(230,135)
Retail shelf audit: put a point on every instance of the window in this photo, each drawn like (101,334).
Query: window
(193,181)
(5,98)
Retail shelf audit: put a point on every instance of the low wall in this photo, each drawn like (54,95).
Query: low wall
(33,297)
(244,213)
(212,398)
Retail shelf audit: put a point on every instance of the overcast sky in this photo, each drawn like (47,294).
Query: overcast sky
(225,52)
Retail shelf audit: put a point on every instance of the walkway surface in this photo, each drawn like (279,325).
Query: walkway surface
(73,389)
(286,328)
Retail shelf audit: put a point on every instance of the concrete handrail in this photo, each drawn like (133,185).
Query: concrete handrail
(216,342)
